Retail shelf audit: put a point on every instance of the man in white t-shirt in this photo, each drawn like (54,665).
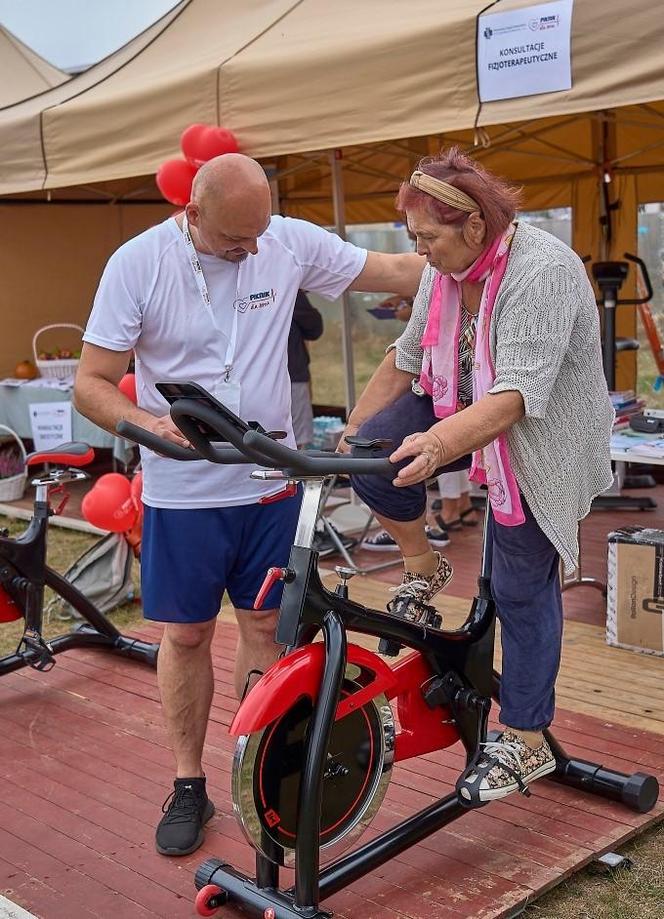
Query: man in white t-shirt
(208,296)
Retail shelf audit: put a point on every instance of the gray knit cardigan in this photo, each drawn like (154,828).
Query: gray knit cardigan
(545,343)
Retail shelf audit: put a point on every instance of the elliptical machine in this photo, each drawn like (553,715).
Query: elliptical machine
(317,736)
(609,277)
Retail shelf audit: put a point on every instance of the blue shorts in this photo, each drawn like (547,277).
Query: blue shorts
(190,557)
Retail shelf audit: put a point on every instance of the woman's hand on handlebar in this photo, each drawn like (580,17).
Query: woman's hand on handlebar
(427,451)
(350,430)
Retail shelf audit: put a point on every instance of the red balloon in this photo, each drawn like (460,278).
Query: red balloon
(104,505)
(202,142)
(116,484)
(137,487)
(190,140)
(101,510)
(174,179)
(127,387)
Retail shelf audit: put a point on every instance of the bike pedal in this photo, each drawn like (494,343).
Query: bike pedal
(389,647)
(43,652)
(411,611)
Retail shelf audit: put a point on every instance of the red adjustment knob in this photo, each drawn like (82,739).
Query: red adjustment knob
(273,575)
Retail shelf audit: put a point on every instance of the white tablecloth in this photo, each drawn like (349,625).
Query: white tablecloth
(14,412)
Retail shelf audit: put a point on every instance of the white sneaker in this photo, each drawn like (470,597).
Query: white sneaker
(502,767)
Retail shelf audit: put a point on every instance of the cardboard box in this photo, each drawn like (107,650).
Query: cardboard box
(635,600)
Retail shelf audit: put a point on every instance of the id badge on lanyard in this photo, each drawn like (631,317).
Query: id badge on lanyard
(225,390)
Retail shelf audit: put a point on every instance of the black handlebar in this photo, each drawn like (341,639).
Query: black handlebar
(646,281)
(612,267)
(300,462)
(223,454)
(202,424)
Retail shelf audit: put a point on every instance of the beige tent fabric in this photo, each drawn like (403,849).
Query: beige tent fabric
(383,81)
(25,157)
(299,75)
(23,73)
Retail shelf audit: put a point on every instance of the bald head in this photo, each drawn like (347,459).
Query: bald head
(229,177)
(230,206)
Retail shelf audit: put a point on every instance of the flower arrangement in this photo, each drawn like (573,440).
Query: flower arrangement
(11,461)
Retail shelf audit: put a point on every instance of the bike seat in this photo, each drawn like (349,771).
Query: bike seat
(74,454)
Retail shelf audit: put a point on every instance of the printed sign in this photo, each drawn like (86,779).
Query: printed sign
(50,423)
(525,52)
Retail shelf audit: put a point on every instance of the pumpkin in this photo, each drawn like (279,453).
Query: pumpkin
(25,370)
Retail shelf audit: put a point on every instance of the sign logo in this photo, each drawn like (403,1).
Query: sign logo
(255,301)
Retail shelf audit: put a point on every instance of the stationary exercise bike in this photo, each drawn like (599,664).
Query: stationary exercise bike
(317,737)
(24,575)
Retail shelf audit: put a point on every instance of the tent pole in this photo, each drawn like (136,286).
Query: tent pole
(346,319)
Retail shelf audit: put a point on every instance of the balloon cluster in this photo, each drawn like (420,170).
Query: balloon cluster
(199,143)
(114,502)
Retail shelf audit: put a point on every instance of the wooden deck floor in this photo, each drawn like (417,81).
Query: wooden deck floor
(86,767)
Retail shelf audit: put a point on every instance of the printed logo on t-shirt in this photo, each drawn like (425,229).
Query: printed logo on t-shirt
(255,301)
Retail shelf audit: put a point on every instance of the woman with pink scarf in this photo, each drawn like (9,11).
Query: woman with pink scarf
(499,368)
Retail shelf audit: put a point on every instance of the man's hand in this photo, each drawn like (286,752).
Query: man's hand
(428,452)
(165,427)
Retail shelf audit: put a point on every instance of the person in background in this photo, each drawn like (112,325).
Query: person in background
(307,325)
(456,511)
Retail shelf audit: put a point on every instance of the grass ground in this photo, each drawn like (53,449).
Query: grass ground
(629,894)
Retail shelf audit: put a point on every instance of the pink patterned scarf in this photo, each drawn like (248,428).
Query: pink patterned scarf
(440,368)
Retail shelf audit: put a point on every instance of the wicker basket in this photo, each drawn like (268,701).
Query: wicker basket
(12,487)
(62,368)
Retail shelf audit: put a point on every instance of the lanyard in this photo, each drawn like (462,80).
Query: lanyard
(199,278)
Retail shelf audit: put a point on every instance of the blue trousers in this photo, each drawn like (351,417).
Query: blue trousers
(524,575)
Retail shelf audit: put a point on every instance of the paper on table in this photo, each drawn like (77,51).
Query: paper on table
(638,445)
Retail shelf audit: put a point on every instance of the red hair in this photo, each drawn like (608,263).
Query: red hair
(497,201)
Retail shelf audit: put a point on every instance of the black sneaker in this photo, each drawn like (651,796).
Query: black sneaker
(380,542)
(186,811)
(325,545)
(437,536)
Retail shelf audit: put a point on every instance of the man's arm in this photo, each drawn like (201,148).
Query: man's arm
(96,394)
(397,273)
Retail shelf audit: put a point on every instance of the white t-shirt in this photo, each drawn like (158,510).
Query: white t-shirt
(148,300)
